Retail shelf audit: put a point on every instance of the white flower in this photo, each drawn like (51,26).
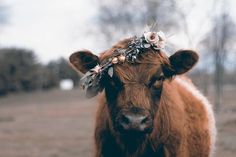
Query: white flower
(158,39)
(151,37)
(161,44)
(162,36)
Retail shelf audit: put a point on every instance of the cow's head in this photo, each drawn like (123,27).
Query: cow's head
(132,87)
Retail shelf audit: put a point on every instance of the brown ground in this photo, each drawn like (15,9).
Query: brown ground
(60,124)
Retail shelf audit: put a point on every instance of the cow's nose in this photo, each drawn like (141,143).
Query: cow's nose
(136,122)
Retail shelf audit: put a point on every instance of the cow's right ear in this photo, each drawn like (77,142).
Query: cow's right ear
(84,60)
(180,62)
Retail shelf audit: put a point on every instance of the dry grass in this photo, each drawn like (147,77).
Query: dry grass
(60,124)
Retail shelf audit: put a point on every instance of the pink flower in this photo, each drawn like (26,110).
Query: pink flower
(157,39)
(151,37)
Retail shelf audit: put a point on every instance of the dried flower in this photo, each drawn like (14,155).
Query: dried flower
(96,69)
(115,60)
(121,58)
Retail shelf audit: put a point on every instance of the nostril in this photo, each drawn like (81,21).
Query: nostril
(125,119)
(134,123)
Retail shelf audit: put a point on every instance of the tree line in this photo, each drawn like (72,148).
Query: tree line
(20,71)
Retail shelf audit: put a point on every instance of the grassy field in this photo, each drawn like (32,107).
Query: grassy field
(60,124)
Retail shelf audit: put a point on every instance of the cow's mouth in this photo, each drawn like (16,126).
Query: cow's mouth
(134,133)
(134,136)
(133,141)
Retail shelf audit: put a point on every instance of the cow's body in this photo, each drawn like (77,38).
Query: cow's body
(185,126)
(145,109)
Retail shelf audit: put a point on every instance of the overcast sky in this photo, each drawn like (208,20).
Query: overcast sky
(54,28)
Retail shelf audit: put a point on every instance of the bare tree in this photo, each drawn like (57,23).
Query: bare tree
(119,18)
(219,42)
(224,33)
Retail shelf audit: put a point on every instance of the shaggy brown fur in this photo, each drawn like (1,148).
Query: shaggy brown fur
(181,122)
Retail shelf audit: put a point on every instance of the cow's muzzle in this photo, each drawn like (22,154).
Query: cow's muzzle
(140,123)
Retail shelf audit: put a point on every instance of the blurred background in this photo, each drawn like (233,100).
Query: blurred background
(43,112)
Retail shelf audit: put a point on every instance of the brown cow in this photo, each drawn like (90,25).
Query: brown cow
(146,109)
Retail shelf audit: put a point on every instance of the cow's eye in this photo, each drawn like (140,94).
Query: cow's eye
(157,84)
(155,81)
(156,89)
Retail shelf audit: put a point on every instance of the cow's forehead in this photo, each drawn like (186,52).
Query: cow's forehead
(141,73)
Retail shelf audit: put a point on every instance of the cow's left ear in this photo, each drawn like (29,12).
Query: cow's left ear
(181,62)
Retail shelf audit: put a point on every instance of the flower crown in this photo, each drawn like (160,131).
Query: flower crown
(91,81)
